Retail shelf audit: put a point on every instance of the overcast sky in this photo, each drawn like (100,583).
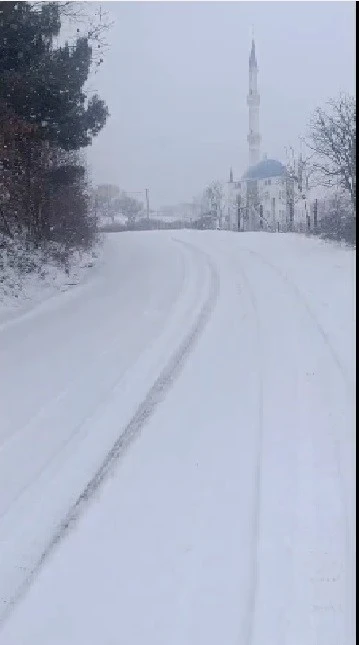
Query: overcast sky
(175,79)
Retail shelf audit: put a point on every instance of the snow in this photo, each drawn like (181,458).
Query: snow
(182,469)
(21,290)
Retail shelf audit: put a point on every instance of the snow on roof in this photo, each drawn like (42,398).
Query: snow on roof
(264,169)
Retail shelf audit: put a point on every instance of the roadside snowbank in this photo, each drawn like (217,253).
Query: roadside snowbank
(29,276)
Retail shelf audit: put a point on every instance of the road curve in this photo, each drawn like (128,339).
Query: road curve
(231,517)
(119,359)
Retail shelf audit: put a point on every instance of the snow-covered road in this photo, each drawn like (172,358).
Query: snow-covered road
(177,448)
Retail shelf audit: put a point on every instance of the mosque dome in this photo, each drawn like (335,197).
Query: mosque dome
(265,169)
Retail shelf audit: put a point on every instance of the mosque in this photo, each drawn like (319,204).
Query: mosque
(268,196)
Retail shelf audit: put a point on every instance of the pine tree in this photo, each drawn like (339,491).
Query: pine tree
(43,85)
(46,114)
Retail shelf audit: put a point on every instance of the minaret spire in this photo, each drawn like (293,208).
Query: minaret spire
(253,101)
(252,58)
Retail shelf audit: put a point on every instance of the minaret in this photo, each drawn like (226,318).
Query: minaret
(253,100)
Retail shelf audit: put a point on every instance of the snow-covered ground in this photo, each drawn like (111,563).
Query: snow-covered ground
(21,290)
(177,448)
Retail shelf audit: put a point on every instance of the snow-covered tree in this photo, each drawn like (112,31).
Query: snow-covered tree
(332,139)
(214,195)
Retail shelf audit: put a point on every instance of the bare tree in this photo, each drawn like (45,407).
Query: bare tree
(215,198)
(333,140)
(105,196)
(129,206)
(301,177)
(84,20)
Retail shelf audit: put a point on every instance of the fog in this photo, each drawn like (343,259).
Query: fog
(175,78)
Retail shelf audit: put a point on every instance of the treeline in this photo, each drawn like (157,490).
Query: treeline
(146,225)
(332,142)
(110,202)
(330,166)
(46,120)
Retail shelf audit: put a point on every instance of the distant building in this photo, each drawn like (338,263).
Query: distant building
(268,196)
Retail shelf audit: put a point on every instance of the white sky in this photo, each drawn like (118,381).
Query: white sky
(176,78)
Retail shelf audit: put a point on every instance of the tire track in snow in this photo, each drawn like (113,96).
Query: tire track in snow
(81,380)
(247,633)
(77,383)
(349,389)
(345,377)
(54,461)
(132,430)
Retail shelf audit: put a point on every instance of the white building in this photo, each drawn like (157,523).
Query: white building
(268,196)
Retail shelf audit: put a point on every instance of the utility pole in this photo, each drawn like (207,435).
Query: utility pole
(291,215)
(307,215)
(238,212)
(148,202)
(261,216)
(315,216)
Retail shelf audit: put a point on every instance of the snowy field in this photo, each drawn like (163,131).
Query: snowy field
(177,448)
